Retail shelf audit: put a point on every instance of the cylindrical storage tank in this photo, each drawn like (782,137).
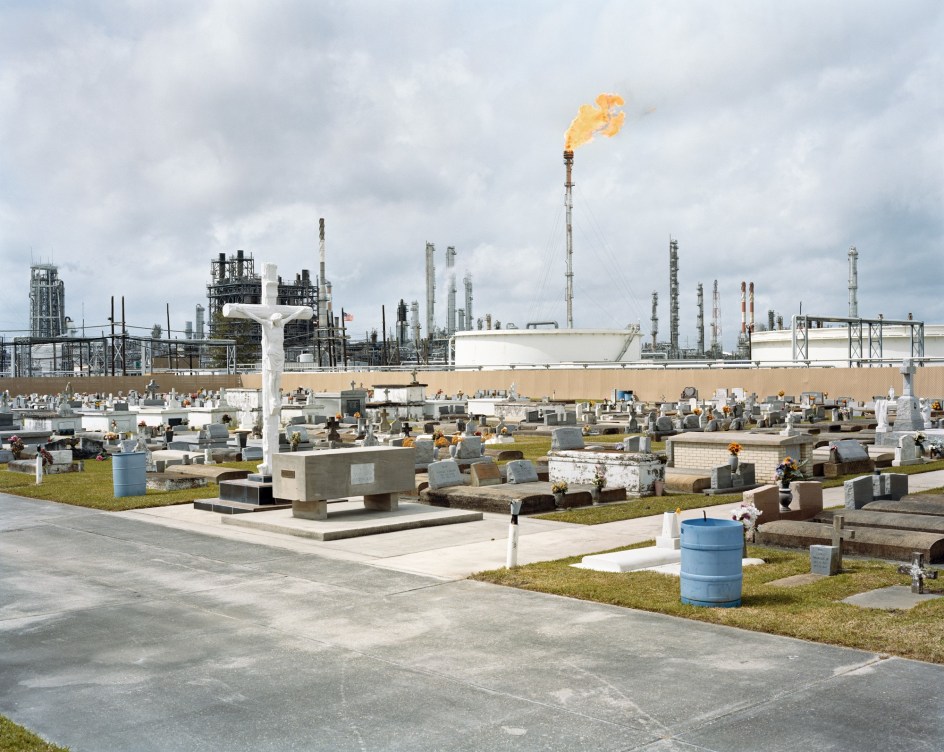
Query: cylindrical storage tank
(129,473)
(711,572)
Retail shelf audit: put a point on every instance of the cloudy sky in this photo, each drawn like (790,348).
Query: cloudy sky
(140,139)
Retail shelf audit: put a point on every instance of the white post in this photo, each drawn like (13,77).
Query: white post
(511,559)
(39,469)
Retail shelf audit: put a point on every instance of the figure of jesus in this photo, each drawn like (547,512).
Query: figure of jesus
(272,318)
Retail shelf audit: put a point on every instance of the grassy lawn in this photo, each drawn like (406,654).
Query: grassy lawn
(14,738)
(93,488)
(809,612)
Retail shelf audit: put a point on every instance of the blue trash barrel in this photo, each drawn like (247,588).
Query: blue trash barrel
(129,473)
(711,573)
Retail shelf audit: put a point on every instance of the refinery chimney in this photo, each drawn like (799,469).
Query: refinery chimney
(451,300)
(569,209)
(468,300)
(655,319)
(322,282)
(700,324)
(430,289)
(853,283)
(673,299)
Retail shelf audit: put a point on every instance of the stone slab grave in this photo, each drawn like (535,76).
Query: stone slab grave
(892,598)
(867,488)
(930,504)
(241,495)
(882,543)
(636,473)
(349,519)
(846,457)
(173,482)
(310,479)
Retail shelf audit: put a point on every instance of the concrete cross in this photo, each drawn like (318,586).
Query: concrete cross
(839,534)
(918,572)
(907,371)
(273,318)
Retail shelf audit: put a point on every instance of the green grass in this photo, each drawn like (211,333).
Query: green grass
(15,738)
(645,507)
(93,488)
(809,612)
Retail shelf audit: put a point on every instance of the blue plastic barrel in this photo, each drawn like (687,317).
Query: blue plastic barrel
(129,473)
(711,573)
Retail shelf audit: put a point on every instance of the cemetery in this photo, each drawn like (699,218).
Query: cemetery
(387,458)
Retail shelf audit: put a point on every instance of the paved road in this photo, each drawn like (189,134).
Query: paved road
(120,634)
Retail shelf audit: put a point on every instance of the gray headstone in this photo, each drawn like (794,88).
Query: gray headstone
(550,419)
(444,474)
(824,560)
(631,444)
(748,473)
(521,471)
(252,453)
(664,424)
(6,455)
(567,437)
(897,485)
(469,448)
(711,425)
(850,450)
(721,476)
(691,422)
(858,492)
(425,452)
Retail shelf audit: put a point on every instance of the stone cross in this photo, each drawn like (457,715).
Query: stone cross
(839,534)
(918,572)
(273,318)
(907,371)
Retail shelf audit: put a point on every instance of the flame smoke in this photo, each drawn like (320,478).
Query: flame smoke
(591,120)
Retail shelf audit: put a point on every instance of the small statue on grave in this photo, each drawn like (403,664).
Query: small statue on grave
(333,426)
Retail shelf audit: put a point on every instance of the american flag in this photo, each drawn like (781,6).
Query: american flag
(348,316)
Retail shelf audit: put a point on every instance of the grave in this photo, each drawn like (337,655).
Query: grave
(847,457)
(637,473)
(694,452)
(310,479)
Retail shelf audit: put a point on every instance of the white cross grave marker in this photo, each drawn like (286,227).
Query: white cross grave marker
(273,318)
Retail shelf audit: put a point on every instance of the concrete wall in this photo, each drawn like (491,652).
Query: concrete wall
(184,384)
(569,383)
(649,385)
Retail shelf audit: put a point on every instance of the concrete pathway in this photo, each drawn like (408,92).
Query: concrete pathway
(165,630)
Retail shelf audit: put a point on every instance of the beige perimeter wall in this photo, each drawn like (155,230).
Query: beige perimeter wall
(578,383)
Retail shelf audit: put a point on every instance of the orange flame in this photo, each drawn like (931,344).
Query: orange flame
(591,120)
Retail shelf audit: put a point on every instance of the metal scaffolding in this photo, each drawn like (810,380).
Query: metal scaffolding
(860,333)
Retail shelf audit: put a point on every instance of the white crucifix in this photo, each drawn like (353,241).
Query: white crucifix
(273,318)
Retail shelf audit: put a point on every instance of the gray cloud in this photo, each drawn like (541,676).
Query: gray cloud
(138,141)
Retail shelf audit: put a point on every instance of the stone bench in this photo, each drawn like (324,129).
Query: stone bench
(310,479)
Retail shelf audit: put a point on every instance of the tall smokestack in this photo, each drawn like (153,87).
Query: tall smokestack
(743,308)
(673,299)
(430,289)
(715,321)
(467,280)
(751,303)
(322,285)
(451,300)
(700,324)
(569,208)
(415,321)
(853,283)
(655,318)
(200,320)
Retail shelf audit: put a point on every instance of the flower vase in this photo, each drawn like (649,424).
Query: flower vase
(786,496)
(733,462)
(595,494)
(558,500)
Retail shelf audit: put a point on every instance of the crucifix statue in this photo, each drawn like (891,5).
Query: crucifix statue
(273,318)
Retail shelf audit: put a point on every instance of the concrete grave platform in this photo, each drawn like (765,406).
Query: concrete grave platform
(892,598)
(212,473)
(535,498)
(932,504)
(349,519)
(882,543)
(922,523)
(173,482)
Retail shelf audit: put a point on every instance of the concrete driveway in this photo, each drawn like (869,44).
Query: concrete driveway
(120,634)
